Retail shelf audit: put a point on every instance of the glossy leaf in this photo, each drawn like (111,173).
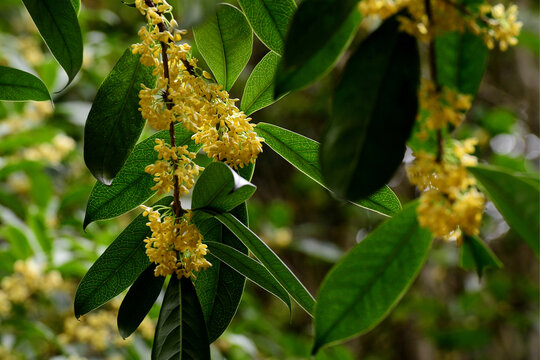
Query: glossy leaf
(220,188)
(362,288)
(294,78)
(313,26)
(219,287)
(516,197)
(17,85)
(132,186)
(302,153)
(461,61)
(476,255)
(57,23)
(180,330)
(114,123)
(259,90)
(373,113)
(269,20)
(251,269)
(117,268)
(139,300)
(225,41)
(270,260)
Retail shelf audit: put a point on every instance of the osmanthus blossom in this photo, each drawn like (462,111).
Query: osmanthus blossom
(184,94)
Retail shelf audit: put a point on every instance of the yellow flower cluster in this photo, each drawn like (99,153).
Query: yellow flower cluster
(444,106)
(95,330)
(98,329)
(503,26)
(494,24)
(27,280)
(53,153)
(182,95)
(450,203)
(164,171)
(175,244)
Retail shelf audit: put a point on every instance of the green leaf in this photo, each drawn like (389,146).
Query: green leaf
(374,110)
(302,153)
(131,186)
(362,288)
(180,331)
(225,42)
(461,61)
(27,138)
(221,189)
(41,187)
(250,268)
(476,255)
(313,26)
(247,171)
(76,5)
(57,23)
(259,90)
(36,221)
(139,300)
(516,197)
(270,260)
(17,85)
(117,268)
(294,78)
(115,122)
(219,287)
(18,242)
(269,19)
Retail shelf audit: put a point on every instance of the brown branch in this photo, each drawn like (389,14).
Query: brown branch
(177,206)
(433,71)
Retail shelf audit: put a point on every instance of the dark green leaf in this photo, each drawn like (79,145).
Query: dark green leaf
(117,268)
(313,26)
(259,90)
(180,331)
(115,122)
(57,23)
(461,61)
(225,42)
(219,287)
(270,260)
(270,20)
(17,85)
(374,110)
(516,197)
(131,186)
(139,300)
(294,78)
(302,153)
(476,255)
(220,188)
(367,283)
(250,268)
